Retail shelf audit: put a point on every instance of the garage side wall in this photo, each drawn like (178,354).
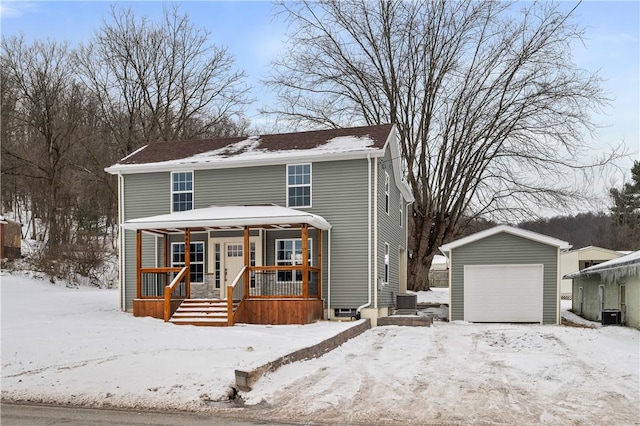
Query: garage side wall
(506,249)
(591,308)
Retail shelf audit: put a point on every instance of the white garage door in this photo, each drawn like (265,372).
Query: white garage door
(503,293)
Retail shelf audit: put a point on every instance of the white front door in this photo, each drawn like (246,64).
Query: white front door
(233,261)
(226,259)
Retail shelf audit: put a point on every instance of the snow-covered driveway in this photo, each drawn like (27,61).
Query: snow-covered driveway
(463,373)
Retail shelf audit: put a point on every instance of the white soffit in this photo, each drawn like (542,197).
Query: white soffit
(510,230)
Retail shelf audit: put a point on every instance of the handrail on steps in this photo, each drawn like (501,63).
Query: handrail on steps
(230,289)
(168,291)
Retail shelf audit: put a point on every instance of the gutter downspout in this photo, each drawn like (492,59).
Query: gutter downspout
(369,284)
(328,273)
(558,290)
(121,235)
(375,235)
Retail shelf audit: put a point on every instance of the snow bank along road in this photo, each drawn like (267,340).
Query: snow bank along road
(463,373)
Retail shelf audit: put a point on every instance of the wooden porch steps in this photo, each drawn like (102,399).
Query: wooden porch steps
(206,312)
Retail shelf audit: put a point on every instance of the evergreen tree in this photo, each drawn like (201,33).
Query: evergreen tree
(626,201)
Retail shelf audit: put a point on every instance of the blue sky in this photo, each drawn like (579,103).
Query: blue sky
(255,36)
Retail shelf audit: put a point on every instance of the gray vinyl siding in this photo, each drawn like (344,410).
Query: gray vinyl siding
(241,186)
(504,248)
(144,195)
(389,231)
(339,194)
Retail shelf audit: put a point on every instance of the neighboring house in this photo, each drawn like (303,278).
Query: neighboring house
(439,263)
(611,288)
(253,210)
(575,260)
(439,271)
(505,274)
(10,239)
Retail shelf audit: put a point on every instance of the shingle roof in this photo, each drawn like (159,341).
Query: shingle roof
(158,152)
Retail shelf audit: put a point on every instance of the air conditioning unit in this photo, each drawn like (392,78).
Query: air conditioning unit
(611,317)
(407,301)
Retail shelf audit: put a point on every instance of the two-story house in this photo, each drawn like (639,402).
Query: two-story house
(271,229)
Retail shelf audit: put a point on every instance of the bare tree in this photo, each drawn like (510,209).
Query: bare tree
(43,106)
(160,81)
(489,105)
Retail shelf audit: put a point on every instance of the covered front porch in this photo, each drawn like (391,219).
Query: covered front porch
(227,264)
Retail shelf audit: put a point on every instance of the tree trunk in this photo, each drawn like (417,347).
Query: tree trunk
(422,252)
(427,231)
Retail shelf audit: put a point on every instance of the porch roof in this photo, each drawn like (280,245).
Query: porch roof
(228,217)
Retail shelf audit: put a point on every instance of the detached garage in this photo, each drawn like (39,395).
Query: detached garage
(505,274)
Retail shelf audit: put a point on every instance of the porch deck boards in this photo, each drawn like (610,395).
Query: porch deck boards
(213,312)
(153,307)
(281,311)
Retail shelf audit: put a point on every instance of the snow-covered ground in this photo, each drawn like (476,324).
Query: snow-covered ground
(75,346)
(434,296)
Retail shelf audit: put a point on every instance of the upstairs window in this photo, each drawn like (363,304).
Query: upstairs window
(299,185)
(386,192)
(181,191)
(401,210)
(386,263)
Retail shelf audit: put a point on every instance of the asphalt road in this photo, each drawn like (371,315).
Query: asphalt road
(42,415)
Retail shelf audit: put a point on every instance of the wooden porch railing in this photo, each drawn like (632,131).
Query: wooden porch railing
(168,291)
(236,293)
(153,281)
(284,281)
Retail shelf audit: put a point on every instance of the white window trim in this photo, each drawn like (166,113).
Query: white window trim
(401,210)
(204,255)
(310,185)
(193,187)
(387,199)
(386,264)
(310,244)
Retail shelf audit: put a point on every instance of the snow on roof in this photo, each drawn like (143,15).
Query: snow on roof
(227,217)
(629,264)
(252,148)
(510,230)
(439,259)
(598,249)
(263,149)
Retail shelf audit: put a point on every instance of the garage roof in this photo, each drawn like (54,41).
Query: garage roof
(544,239)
